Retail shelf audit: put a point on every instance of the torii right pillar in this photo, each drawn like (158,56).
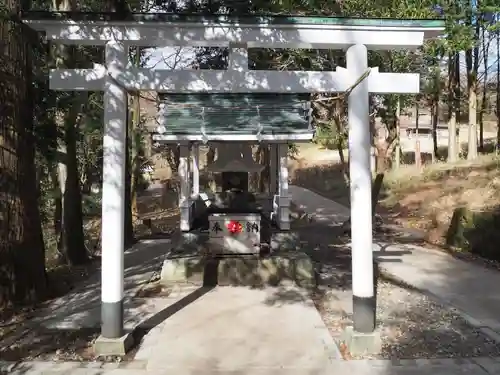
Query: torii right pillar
(362,337)
(363,302)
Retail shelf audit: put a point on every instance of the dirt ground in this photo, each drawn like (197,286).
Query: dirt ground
(427,199)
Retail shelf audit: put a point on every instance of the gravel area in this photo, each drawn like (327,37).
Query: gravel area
(37,343)
(412,325)
(51,345)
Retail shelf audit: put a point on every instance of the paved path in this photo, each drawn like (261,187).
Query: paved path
(321,209)
(241,329)
(470,288)
(82,307)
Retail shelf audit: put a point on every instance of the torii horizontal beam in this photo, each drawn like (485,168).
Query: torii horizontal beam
(225,81)
(318,32)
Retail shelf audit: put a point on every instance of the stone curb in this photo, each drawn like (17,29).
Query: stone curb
(139,367)
(331,346)
(7,367)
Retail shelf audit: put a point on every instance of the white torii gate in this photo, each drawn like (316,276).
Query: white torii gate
(115,78)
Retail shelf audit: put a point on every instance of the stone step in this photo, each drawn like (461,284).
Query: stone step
(287,268)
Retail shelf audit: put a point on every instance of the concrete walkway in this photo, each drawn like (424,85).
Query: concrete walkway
(240,329)
(470,288)
(321,209)
(82,307)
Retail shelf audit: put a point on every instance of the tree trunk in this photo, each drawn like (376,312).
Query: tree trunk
(383,156)
(472,62)
(54,177)
(452,105)
(435,111)
(339,119)
(210,160)
(435,121)
(397,148)
(60,180)
(72,241)
(265,160)
(133,167)
(255,177)
(458,91)
(498,90)
(172,155)
(485,90)
(72,245)
(472,136)
(73,212)
(384,148)
(22,252)
(418,156)
(128,216)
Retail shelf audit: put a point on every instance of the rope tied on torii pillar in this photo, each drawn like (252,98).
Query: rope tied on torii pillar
(347,92)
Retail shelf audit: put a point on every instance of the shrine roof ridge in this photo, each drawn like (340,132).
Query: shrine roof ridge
(216,19)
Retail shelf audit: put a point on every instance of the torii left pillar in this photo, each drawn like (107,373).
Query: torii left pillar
(113,340)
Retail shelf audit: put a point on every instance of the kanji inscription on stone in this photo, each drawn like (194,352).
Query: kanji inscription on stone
(252,227)
(246,241)
(216,227)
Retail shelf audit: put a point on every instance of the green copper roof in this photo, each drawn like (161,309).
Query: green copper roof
(275,20)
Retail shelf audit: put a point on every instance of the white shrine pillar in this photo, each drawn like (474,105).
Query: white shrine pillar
(185,189)
(113,195)
(282,200)
(273,168)
(195,169)
(361,190)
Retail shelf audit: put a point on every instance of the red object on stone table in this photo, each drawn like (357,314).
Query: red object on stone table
(234,227)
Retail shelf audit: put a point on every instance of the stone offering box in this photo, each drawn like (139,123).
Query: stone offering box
(231,233)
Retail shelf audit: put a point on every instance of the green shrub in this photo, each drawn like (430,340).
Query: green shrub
(476,232)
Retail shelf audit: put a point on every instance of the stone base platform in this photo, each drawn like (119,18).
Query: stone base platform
(191,263)
(361,343)
(120,346)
